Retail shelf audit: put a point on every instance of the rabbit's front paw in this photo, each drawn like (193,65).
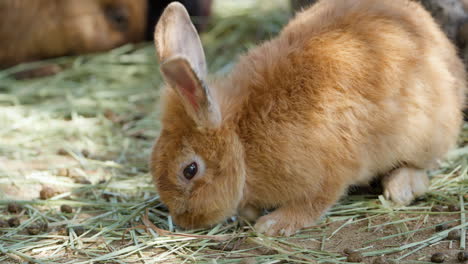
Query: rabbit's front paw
(301,213)
(272,225)
(276,225)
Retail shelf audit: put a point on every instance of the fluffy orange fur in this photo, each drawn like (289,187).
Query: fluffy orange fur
(37,29)
(348,90)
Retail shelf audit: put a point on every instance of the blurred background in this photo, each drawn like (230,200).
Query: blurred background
(33,30)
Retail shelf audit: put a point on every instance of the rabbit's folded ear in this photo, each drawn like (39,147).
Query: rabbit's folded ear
(175,35)
(183,64)
(196,97)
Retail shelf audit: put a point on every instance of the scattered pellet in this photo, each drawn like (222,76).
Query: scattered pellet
(62,152)
(46,193)
(441,227)
(64,208)
(85,153)
(354,257)
(63,231)
(14,208)
(348,251)
(14,222)
(79,230)
(438,258)
(454,235)
(34,229)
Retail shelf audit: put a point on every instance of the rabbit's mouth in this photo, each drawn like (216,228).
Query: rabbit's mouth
(190,220)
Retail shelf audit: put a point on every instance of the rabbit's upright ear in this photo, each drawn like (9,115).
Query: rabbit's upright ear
(183,64)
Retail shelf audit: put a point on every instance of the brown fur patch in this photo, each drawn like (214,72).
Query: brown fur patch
(35,29)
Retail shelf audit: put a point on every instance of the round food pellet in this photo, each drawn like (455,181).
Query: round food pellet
(354,257)
(85,153)
(441,227)
(462,256)
(34,229)
(62,152)
(79,230)
(438,258)
(380,260)
(14,222)
(46,193)
(453,208)
(62,231)
(454,235)
(14,208)
(348,251)
(64,208)
(437,208)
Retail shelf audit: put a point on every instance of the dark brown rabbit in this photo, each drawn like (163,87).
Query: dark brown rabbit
(39,29)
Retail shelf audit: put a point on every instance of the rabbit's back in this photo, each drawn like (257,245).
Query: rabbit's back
(358,82)
(364,47)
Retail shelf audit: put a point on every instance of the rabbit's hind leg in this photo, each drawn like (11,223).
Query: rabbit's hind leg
(404,184)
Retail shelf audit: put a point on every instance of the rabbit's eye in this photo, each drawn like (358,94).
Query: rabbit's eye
(191,170)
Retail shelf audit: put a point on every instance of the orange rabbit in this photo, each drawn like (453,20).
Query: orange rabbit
(350,89)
